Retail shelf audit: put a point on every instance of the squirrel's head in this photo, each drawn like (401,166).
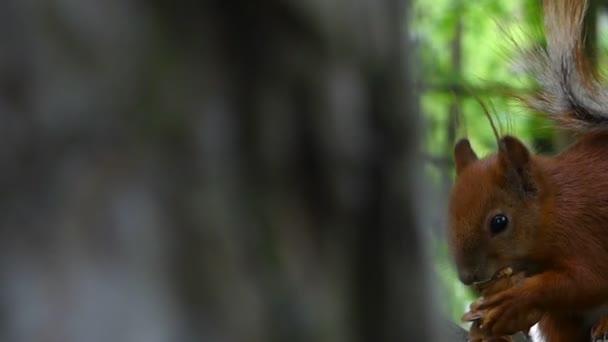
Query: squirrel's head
(493,210)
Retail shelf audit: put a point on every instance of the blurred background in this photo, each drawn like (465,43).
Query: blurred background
(240,171)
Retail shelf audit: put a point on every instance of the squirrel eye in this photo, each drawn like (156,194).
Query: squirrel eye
(498,224)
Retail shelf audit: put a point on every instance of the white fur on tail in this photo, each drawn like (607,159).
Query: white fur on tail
(570,92)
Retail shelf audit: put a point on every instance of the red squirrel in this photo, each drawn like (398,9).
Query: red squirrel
(546,216)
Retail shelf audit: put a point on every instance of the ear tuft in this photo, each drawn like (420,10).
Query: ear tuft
(463,155)
(515,159)
(513,151)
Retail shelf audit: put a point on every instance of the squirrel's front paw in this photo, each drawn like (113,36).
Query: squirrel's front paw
(504,313)
(600,330)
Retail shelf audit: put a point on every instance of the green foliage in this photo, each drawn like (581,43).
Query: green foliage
(451,77)
(453,297)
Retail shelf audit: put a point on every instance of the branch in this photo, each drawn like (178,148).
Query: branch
(454,332)
(463,89)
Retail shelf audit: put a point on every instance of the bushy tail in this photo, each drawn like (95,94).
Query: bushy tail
(570,92)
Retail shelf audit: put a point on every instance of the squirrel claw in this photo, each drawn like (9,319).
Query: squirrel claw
(472,316)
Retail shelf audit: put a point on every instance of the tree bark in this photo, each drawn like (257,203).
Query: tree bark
(217,171)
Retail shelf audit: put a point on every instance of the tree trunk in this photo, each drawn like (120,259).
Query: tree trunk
(209,171)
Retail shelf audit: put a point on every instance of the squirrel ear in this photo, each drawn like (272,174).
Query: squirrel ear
(463,155)
(514,151)
(515,158)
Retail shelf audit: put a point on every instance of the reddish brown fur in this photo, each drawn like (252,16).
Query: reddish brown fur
(557,233)
(564,328)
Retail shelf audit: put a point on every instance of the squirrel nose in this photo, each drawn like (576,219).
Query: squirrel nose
(467,277)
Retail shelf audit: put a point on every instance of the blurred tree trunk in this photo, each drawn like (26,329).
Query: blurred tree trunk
(209,171)
(454,111)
